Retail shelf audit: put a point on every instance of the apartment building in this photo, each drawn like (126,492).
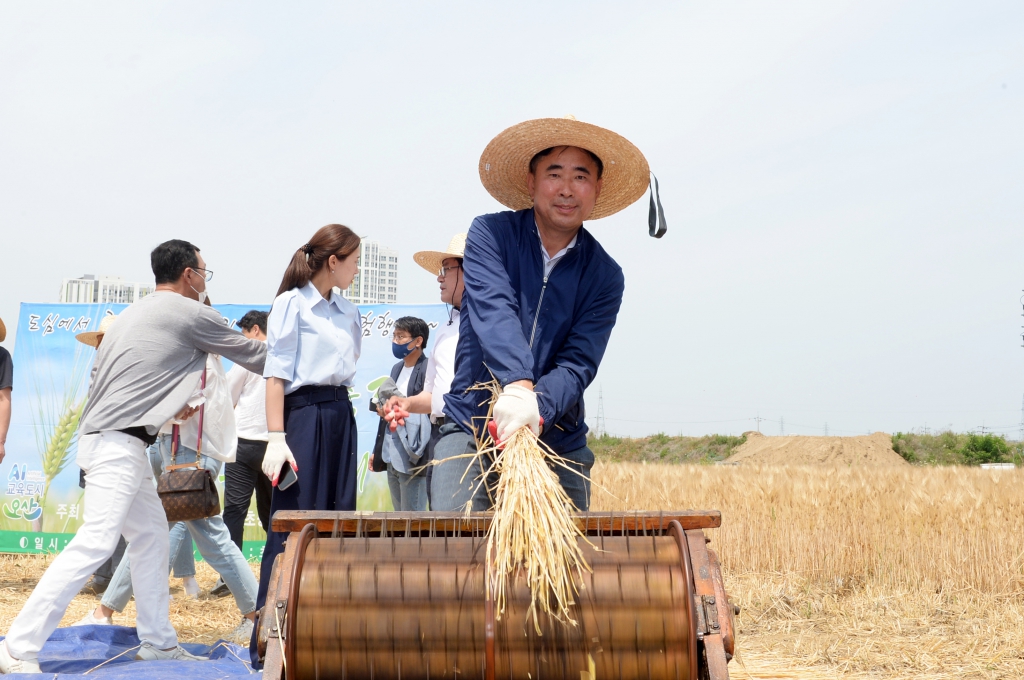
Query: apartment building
(89,288)
(377,280)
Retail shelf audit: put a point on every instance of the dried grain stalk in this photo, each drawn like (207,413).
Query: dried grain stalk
(533,534)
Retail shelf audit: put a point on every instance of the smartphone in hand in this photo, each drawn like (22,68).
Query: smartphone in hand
(287,478)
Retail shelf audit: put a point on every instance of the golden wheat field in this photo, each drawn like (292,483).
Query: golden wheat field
(898,573)
(910,572)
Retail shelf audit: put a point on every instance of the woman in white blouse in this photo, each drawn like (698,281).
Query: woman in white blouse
(313,341)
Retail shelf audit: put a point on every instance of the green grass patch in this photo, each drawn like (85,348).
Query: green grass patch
(953,448)
(661,448)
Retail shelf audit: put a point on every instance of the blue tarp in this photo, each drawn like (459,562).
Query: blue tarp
(70,652)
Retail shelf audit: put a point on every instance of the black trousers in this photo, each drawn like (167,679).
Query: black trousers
(241,478)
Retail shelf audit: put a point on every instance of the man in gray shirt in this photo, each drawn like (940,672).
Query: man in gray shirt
(145,372)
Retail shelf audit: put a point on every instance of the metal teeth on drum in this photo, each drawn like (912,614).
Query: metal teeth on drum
(415,606)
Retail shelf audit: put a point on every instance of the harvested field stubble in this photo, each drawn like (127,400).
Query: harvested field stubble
(904,572)
(857,572)
(205,620)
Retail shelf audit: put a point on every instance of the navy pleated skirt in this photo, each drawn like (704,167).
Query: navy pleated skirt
(320,429)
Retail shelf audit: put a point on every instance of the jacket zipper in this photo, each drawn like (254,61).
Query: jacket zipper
(536,316)
(540,300)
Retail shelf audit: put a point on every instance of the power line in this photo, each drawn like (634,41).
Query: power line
(1021,434)
(681,422)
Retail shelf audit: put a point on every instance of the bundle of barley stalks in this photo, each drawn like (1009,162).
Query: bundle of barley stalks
(533,534)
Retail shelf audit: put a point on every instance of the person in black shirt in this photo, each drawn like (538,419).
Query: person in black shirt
(6,382)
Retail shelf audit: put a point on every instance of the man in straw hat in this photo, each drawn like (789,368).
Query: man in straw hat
(145,372)
(447,265)
(6,383)
(94,338)
(541,296)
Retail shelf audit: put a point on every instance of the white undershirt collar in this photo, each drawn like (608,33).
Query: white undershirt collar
(551,261)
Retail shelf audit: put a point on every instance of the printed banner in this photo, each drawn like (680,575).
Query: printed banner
(41,500)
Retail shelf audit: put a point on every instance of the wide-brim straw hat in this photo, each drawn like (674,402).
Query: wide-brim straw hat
(92,338)
(431,259)
(3,331)
(505,162)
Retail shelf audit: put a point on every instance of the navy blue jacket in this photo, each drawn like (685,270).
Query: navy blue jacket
(558,346)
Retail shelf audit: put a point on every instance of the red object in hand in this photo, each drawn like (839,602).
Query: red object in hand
(395,417)
(492,429)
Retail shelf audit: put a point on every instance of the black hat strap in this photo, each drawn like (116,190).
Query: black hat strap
(656,216)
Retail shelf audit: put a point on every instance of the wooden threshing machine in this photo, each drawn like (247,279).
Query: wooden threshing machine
(402,595)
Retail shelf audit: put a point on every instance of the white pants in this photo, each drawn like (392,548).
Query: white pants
(120,498)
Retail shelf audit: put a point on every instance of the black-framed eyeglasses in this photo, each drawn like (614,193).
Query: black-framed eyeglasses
(443,271)
(207,273)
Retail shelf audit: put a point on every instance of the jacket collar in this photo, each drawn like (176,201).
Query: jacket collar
(312,297)
(579,246)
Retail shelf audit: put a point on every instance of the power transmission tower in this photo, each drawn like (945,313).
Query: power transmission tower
(758,418)
(826,429)
(1022,419)
(1022,334)
(782,426)
(600,411)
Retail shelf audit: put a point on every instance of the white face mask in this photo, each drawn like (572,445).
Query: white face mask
(200,293)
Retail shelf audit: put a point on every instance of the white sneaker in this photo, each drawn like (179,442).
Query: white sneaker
(191,587)
(243,634)
(150,653)
(91,620)
(8,664)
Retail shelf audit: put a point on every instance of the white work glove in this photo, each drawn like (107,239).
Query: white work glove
(516,407)
(277,454)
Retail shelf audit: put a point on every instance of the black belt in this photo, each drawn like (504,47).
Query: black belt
(315,394)
(138,432)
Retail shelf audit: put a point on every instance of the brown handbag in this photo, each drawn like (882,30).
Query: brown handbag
(187,491)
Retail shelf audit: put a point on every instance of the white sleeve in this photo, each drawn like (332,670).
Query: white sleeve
(428,377)
(357,335)
(236,382)
(282,337)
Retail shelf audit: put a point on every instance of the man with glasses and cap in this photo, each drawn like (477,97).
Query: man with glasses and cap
(541,298)
(447,265)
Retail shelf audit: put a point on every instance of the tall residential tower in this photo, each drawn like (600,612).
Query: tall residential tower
(377,280)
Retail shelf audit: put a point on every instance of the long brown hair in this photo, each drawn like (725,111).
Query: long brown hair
(334,239)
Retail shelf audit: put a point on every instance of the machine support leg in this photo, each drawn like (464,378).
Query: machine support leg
(708,628)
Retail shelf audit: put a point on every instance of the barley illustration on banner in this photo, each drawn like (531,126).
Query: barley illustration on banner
(41,500)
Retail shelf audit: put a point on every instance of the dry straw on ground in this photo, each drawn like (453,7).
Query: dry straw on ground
(205,620)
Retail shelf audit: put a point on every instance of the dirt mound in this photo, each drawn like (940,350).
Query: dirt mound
(873,450)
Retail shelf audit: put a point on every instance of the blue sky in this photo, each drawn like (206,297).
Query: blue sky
(841,180)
